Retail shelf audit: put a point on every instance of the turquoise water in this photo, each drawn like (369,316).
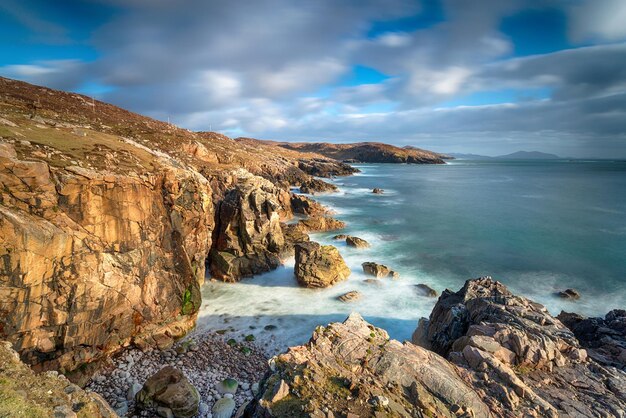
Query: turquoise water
(537,226)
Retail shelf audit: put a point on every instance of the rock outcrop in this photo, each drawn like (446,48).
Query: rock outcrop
(305,206)
(248,235)
(319,265)
(604,338)
(354,368)
(319,224)
(24,393)
(520,359)
(378,270)
(313,186)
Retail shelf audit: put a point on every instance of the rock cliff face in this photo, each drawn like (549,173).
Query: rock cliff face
(107,220)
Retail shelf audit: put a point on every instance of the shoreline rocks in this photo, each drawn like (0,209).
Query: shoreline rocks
(319,266)
(351,296)
(169,388)
(378,270)
(571,294)
(425,290)
(356,242)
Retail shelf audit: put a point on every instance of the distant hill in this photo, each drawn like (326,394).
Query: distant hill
(529,155)
(519,155)
(360,152)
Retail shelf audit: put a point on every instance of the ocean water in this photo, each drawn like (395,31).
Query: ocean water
(537,226)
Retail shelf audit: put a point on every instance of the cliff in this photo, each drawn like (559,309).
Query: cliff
(361,152)
(109,221)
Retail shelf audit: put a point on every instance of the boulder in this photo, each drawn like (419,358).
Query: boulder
(356,242)
(354,368)
(169,388)
(340,237)
(223,408)
(319,266)
(351,296)
(375,269)
(425,290)
(569,294)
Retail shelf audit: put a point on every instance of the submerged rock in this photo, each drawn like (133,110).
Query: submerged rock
(356,242)
(351,296)
(569,294)
(319,266)
(377,190)
(425,290)
(170,388)
(340,237)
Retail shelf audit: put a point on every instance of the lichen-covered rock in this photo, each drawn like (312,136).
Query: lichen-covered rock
(319,266)
(353,367)
(24,393)
(249,238)
(169,388)
(520,359)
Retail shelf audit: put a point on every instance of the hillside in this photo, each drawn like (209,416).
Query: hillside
(109,222)
(529,155)
(362,152)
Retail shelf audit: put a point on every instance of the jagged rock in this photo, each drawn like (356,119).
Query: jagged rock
(24,393)
(356,242)
(293,234)
(249,237)
(346,364)
(425,290)
(517,356)
(325,168)
(320,223)
(351,296)
(319,266)
(377,190)
(306,206)
(313,185)
(376,270)
(170,388)
(604,338)
(569,294)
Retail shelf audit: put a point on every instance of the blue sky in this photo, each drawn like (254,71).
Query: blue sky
(483,76)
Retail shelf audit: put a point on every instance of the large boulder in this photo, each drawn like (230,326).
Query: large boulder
(319,265)
(354,368)
(169,388)
(519,357)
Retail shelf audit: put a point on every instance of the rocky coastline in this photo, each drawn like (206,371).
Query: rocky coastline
(109,222)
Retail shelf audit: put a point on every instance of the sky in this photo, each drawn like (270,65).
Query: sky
(481,76)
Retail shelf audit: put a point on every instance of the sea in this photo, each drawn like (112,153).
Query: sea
(538,226)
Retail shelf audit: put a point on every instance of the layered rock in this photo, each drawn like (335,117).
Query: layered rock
(248,235)
(354,368)
(93,261)
(604,338)
(319,265)
(520,359)
(28,394)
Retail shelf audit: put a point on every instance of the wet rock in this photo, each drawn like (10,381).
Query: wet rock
(170,388)
(357,242)
(569,294)
(373,282)
(319,266)
(377,190)
(351,296)
(340,237)
(375,269)
(425,290)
